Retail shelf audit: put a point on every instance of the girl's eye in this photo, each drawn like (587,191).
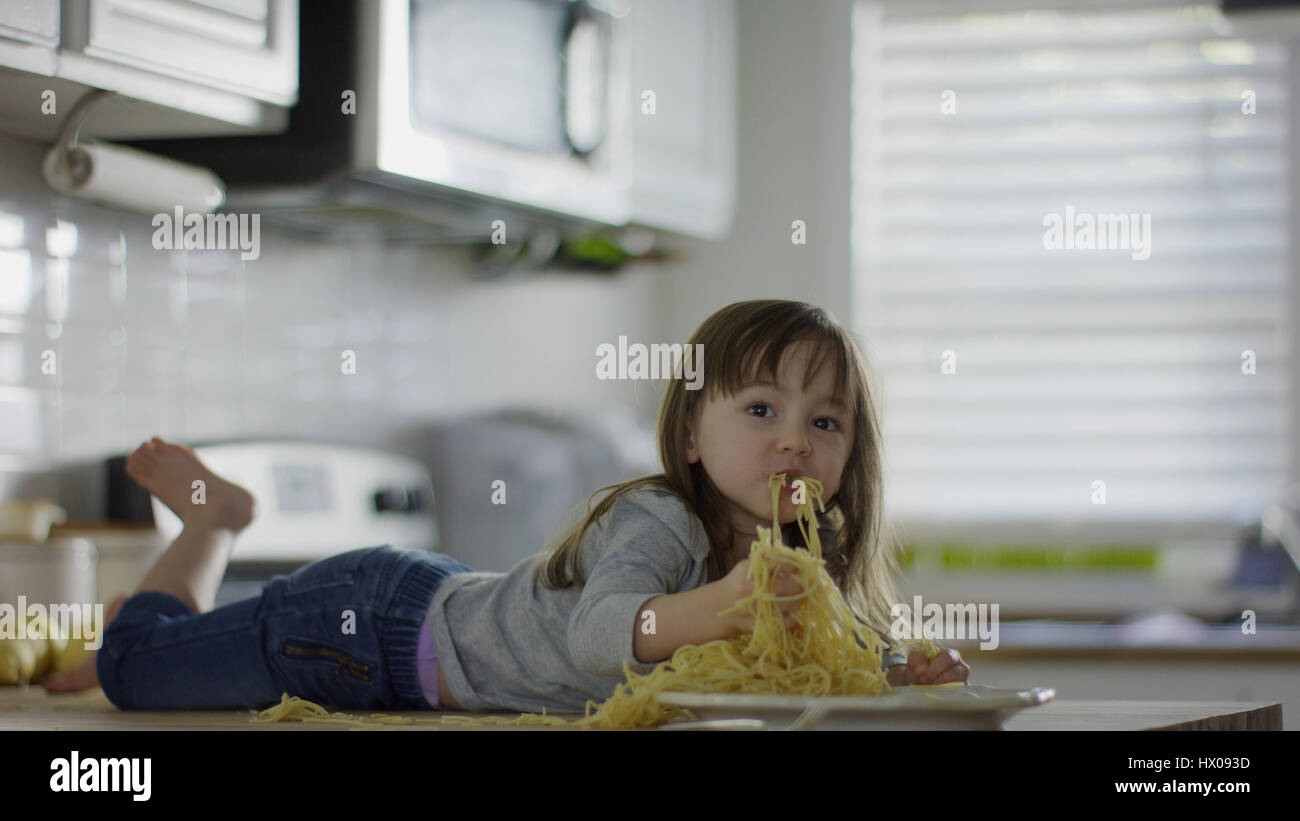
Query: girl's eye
(830,424)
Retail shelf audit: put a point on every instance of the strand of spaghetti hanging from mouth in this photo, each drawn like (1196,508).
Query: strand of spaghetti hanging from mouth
(804,514)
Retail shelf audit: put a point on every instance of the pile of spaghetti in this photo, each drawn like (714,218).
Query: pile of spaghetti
(827,651)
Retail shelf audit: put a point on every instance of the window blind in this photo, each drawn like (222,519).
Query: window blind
(1072,371)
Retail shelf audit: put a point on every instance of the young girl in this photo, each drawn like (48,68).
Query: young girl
(785,391)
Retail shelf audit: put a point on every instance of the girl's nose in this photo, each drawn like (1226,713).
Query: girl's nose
(794,440)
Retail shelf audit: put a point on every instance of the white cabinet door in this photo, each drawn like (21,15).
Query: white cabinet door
(32,21)
(29,33)
(684,71)
(249,47)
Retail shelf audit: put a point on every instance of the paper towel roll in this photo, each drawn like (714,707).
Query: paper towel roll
(136,180)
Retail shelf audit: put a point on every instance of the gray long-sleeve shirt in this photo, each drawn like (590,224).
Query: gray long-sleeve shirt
(506,642)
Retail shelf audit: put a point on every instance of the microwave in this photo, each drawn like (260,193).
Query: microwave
(434,118)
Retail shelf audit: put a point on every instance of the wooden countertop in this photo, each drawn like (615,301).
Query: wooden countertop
(1148,715)
(31,708)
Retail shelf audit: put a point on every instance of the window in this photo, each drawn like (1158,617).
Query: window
(1022,372)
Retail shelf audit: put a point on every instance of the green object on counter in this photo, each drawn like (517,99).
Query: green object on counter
(595,249)
(958,558)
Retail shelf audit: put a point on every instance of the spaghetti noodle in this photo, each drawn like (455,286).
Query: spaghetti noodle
(292,708)
(826,652)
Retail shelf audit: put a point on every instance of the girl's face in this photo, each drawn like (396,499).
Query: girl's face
(765,429)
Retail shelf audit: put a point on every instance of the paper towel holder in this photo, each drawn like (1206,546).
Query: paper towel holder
(70,168)
(65,158)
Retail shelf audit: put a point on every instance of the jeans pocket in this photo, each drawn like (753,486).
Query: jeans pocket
(331,572)
(326,663)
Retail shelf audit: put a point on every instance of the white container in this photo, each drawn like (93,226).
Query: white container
(125,555)
(29,520)
(57,571)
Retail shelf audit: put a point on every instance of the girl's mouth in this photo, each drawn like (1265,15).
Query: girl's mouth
(789,487)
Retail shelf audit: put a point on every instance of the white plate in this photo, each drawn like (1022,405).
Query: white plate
(918,707)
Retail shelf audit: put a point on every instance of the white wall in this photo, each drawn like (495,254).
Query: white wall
(203,347)
(793,164)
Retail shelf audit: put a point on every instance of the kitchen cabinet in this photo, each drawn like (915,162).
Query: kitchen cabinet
(248,47)
(684,116)
(35,21)
(29,34)
(179,67)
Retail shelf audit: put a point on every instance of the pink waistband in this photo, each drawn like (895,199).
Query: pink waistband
(426,663)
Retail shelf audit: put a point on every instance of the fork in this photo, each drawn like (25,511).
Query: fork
(809,717)
(804,721)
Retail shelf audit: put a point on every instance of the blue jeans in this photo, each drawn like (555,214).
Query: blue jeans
(341,631)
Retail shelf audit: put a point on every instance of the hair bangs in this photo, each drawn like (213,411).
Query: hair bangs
(757,353)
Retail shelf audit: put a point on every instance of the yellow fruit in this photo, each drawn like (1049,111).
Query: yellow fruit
(68,652)
(26,660)
(23,660)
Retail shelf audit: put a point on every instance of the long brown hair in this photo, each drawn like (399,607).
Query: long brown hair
(742,341)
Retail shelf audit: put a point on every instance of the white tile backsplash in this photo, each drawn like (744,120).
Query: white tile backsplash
(197,346)
(13,365)
(20,425)
(15,280)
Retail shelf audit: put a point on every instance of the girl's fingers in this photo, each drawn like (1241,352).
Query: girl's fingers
(939,665)
(958,672)
(936,667)
(786,586)
(916,664)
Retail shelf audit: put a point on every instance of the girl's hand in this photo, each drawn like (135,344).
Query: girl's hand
(737,586)
(947,667)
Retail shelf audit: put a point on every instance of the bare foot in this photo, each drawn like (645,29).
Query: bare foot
(168,471)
